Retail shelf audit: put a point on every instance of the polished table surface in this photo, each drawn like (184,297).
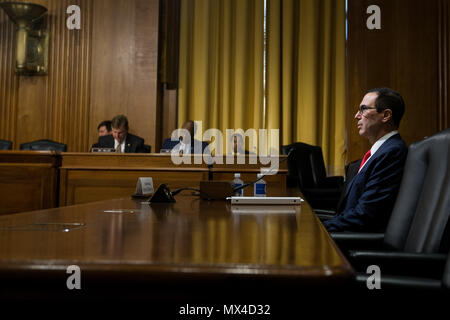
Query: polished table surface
(190,239)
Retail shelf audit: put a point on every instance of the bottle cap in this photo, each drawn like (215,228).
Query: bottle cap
(237,175)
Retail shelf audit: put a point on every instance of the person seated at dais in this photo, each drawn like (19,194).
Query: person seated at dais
(238,144)
(104,128)
(186,142)
(120,139)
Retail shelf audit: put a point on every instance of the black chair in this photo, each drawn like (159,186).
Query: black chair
(147,148)
(44,145)
(5,145)
(351,170)
(418,231)
(306,169)
(437,280)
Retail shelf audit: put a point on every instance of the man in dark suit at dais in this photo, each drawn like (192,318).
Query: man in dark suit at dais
(120,139)
(185,143)
(371,194)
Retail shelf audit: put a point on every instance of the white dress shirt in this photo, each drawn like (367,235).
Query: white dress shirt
(186,147)
(122,145)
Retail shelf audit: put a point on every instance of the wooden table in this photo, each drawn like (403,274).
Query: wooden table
(28,180)
(168,252)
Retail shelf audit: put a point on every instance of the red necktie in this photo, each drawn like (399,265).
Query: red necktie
(366,156)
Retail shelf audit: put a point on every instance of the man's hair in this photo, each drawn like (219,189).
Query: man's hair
(390,99)
(106,123)
(119,121)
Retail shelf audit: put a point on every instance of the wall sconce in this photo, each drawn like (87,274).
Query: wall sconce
(31,37)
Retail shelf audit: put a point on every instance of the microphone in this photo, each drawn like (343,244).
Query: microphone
(269,171)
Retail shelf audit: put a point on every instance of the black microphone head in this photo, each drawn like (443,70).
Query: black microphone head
(162,195)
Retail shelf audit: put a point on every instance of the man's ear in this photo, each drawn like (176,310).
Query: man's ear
(387,115)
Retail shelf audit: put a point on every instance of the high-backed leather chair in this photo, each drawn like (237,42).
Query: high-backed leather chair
(351,170)
(419,224)
(306,169)
(5,145)
(44,145)
(422,207)
(292,179)
(438,281)
(424,280)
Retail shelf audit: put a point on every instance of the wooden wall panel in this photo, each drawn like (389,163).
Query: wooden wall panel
(68,92)
(169,53)
(124,69)
(107,67)
(54,106)
(404,55)
(8,81)
(28,181)
(444,64)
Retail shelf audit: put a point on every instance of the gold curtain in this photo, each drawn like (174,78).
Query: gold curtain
(221,75)
(221,63)
(306,75)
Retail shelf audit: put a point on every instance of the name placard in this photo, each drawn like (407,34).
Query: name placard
(144,186)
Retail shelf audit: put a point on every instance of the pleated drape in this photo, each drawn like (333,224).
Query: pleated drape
(221,75)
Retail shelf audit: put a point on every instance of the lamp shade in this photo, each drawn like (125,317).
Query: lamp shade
(23,13)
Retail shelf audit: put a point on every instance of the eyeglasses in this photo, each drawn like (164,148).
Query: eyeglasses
(362,110)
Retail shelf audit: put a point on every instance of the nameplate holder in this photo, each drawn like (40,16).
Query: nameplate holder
(144,188)
(107,150)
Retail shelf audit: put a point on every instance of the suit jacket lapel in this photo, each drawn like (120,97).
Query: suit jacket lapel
(128,144)
(372,158)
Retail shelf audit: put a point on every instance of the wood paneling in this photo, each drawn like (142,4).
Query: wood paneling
(276,183)
(28,181)
(404,55)
(106,68)
(9,82)
(444,64)
(87,177)
(124,65)
(170,41)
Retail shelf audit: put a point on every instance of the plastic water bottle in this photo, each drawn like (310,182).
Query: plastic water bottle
(237,182)
(260,187)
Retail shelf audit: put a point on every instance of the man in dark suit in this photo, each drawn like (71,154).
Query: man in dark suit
(371,194)
(185,143)
(104,128)
(120,139)
(239,145)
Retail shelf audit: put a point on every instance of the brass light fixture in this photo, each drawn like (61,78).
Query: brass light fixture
(31,37)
